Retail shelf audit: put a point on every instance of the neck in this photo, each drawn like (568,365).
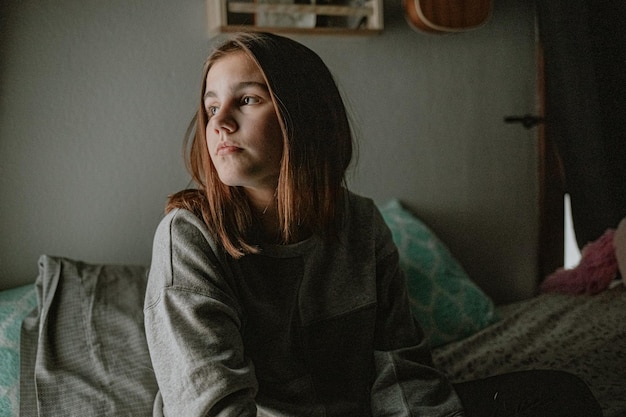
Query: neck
(270,227)
(264,204)
(262,201)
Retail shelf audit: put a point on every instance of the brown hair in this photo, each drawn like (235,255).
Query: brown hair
(317,148)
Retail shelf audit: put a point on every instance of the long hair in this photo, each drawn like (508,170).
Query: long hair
(317,148)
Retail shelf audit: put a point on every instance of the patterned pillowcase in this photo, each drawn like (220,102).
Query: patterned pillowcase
(445,301)
(15,304)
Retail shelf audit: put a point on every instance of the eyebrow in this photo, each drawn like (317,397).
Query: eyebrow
(240,86)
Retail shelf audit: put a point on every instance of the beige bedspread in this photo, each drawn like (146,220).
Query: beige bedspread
(585,335)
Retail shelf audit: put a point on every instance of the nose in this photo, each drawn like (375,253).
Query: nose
(223,121)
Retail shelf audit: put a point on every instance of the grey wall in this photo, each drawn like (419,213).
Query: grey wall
(95,97)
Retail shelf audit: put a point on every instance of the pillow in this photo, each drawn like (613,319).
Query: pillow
(15,304)
(448,305)
(84,351)
(619,242)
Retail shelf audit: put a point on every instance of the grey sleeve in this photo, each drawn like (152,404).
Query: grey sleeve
(193,324)
(406,383)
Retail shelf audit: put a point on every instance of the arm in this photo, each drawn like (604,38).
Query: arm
(406,383)
(193,325)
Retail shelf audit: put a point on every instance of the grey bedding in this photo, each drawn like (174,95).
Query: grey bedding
(83,349)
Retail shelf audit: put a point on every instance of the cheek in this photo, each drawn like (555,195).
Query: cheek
(209,147)
(209,138)
(275,145)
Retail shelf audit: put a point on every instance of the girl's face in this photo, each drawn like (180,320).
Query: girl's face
(243,134)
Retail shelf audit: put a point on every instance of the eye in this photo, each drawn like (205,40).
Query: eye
(250,100)
(212,110)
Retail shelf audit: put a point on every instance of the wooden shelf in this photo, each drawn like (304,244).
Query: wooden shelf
(357,17)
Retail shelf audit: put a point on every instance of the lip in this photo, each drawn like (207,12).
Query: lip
(227,148)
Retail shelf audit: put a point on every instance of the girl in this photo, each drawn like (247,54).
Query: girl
(273,290)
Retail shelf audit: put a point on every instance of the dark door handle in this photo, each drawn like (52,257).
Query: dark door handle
(527,120)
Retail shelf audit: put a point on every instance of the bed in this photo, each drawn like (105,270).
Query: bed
(72,343)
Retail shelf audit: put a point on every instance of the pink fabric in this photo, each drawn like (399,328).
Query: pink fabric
(619,241)
(594,273)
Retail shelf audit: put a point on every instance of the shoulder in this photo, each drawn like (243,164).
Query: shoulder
(358,206)
(181,227)
(180,224)
(364,219)
(181,233)
(362,210)
(182,243)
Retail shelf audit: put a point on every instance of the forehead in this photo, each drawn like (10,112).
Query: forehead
(233,67)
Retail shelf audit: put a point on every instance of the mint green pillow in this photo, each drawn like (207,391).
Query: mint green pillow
(445,301)
(15,304)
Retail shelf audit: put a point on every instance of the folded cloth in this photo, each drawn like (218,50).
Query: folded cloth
(619,241)
(83,349)
(594,273)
